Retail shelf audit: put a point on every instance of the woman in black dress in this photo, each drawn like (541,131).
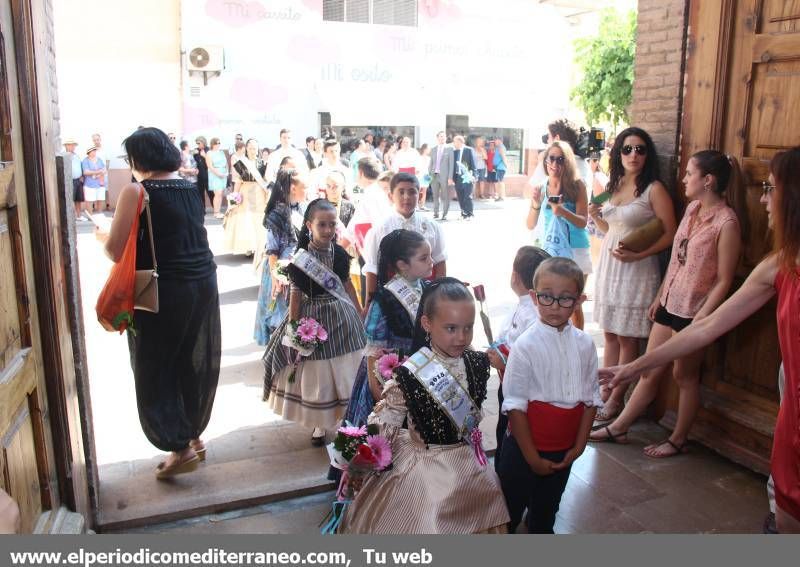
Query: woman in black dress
(175,353)
(202,172)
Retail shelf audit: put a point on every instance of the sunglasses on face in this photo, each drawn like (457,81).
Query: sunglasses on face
(766,189)
(639,149)
(553,160)
(547,300)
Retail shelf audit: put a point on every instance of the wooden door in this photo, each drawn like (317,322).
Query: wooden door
(26,465)
(743,97)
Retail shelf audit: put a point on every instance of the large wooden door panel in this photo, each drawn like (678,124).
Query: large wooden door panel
(743,97)
(25,467)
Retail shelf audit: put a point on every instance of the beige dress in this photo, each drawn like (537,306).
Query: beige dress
(244,223)
(438,489)
(625,290)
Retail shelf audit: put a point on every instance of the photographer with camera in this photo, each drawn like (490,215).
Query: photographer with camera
(563,204)
(562,130)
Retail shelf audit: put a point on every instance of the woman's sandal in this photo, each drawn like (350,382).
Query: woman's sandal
(189,465)
(602,415)
(199,449)
(611,437)
(678,449)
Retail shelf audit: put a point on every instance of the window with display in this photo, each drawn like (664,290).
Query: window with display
(384,12)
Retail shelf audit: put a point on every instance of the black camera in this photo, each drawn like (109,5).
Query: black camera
(590,141)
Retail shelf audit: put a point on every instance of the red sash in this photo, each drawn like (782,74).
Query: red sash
(553,428)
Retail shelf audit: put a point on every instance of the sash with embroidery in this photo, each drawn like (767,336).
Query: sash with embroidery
(252,169)
(321,274)
(450,396)
(407,295)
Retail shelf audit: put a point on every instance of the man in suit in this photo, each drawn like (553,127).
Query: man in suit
(311,156)
(463,175)
(441,170)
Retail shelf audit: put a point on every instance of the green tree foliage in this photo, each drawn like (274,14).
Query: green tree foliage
(606,62)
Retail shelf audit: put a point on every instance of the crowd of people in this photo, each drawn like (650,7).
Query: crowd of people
(315,241)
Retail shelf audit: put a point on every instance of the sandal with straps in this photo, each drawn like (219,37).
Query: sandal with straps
(611,437)
(678,449)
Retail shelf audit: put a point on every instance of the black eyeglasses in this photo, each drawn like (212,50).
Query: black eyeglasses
(639,149)
(547,300)
(556,160)
(683,249)
(766,189)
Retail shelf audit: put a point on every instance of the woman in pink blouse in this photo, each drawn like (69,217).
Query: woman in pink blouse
(705,252)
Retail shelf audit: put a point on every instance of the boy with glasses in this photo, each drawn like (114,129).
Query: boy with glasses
(551,394)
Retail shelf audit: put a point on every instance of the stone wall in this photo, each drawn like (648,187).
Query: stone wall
(658,77)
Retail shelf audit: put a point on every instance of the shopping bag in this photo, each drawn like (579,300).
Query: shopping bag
(115,304)
(556,239)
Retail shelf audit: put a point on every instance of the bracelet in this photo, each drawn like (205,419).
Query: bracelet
(536,208)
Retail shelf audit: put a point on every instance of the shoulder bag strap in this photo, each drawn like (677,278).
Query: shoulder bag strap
(150,228)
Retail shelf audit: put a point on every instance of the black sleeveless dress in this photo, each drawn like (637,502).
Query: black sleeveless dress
(175,353)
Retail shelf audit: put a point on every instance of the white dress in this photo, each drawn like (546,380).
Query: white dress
(625,290)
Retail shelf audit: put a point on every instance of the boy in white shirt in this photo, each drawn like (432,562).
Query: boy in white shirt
(404,192)
(551,396)
(525,263)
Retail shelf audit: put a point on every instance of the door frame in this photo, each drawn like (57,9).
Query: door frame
(71,485)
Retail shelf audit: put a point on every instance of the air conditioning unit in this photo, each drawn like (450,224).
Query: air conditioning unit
(206,59)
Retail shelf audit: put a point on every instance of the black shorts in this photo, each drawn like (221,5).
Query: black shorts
(77,190)
(664,317)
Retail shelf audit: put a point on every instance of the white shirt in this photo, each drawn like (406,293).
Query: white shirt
(525,315)
(551,366)
(276,157)
(430,230)
(405,159)
(372,208)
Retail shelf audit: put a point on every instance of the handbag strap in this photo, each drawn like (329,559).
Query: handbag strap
(150,227)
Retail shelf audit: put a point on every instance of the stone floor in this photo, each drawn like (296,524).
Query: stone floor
(262,476)
(612,489)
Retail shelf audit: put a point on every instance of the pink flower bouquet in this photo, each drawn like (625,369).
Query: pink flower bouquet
(304,336)
(387,363)
(359,452)
(234,199)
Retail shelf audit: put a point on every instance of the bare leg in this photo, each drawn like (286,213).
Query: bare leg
(628,352)
(645,391)
(217,201)
(99,206)
(610,357)
(501,190)
(686,372)
(422,194)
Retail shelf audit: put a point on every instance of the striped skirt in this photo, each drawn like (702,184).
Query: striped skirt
(439,490)
(320,390)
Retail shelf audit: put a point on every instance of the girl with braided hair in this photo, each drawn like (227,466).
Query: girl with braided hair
(440,482)
(288,189)
(405,260)
(315,390)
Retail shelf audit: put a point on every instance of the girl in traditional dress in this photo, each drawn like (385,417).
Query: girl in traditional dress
(439,481)
(288,190)
(405,258)
(315,391)
(244,232)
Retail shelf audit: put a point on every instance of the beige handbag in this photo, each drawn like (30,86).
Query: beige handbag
(645,236)
(146,288)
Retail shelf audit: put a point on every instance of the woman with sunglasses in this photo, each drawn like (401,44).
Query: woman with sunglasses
(627,281)
(705,253)
(563,195)
(778,275)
